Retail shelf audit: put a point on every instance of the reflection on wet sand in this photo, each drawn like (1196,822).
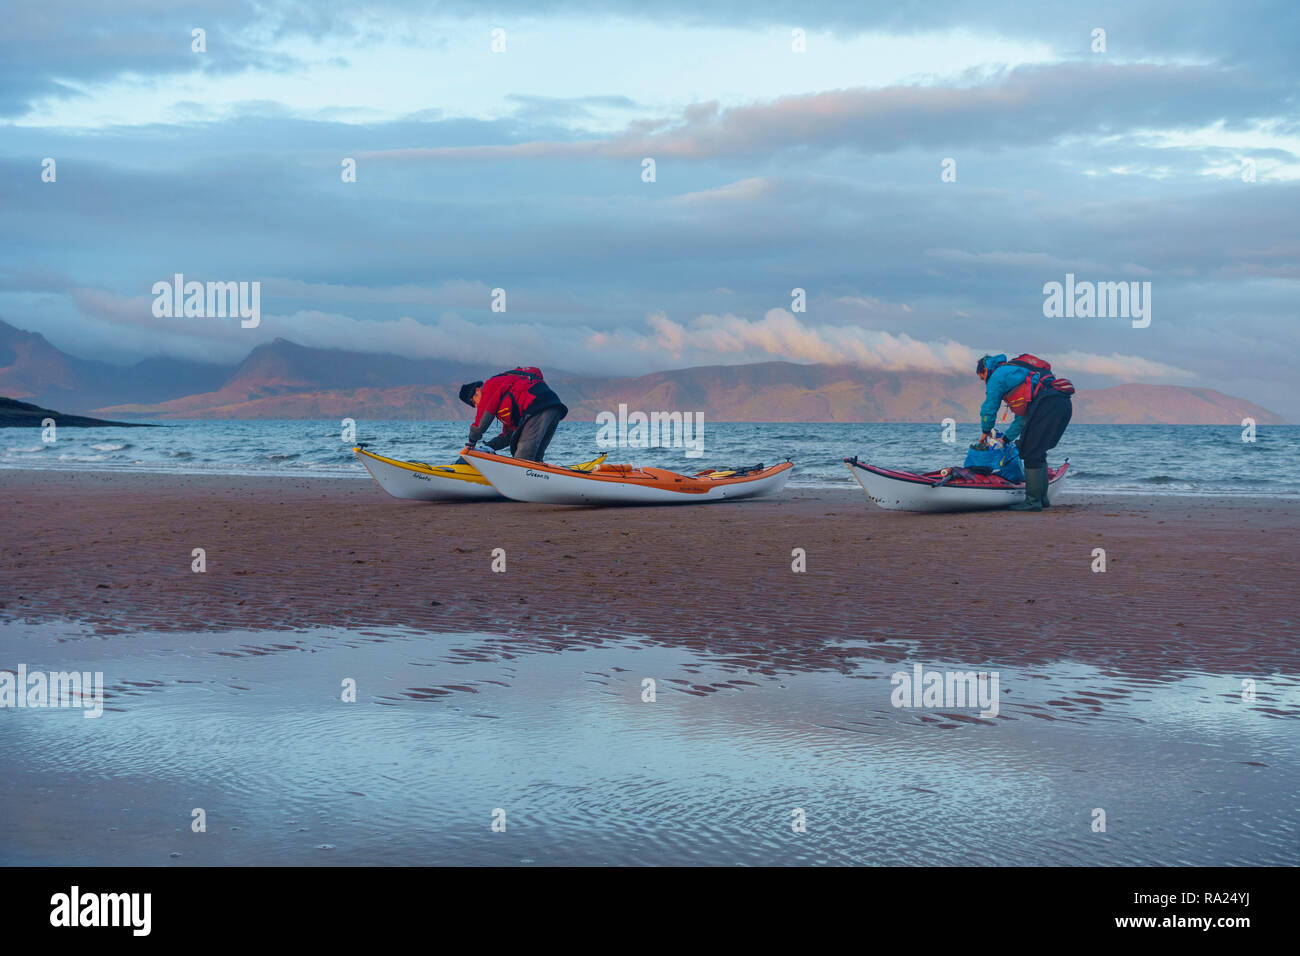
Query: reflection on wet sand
(446,729)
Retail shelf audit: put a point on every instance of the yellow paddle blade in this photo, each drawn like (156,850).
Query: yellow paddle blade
(589,465)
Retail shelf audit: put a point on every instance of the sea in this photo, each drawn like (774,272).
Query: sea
(1104,459)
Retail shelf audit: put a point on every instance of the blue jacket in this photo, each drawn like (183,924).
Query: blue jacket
(1002,379)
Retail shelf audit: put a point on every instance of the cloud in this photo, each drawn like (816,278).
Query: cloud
(746,190)
(55,50)
(129,322)
(779,334)
(835,190)
(1017,260)
(553,109)
(1028,104)
(659,343)
(1126,368)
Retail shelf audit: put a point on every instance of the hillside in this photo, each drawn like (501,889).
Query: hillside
(15,414)
(770,391)
(285,380)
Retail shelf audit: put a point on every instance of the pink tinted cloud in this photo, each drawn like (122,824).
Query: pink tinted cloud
(1027,104)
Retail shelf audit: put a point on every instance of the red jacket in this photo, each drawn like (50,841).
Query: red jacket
(511,397)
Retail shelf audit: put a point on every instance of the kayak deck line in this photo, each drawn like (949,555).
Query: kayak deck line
(939,480)
(699,483)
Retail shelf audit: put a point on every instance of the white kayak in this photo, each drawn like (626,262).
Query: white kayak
(416,481)
(945,490)
(624,484)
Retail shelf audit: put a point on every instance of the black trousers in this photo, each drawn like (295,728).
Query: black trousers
(1045,422)
(536,432)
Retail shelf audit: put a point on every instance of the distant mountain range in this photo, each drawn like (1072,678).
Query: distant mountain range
(286,380)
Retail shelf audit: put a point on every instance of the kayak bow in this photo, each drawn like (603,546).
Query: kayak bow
(416,481)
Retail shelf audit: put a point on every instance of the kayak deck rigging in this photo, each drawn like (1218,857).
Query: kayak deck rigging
(948,489)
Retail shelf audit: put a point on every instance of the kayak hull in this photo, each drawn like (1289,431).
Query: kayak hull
(416,481)
(906,491)
(619,484)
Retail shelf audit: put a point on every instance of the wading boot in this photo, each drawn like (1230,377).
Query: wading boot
(1035,490)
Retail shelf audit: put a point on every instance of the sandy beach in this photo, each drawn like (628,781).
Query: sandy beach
(524,692)
(1189,582)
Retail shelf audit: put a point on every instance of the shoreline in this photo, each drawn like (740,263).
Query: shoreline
(847,484)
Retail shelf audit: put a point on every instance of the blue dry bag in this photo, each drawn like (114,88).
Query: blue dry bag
(1003,461)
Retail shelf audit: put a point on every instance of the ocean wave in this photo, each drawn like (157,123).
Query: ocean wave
(1105,459)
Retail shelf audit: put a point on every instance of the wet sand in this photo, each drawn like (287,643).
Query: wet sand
(449,728)
(524,691)
(1190,583)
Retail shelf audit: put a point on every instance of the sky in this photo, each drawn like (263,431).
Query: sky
(921,171)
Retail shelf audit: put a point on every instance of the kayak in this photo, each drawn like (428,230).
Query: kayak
(624,484)
(950,489)
(416,481)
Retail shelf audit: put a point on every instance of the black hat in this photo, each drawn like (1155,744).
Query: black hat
(467,392)
(982,364)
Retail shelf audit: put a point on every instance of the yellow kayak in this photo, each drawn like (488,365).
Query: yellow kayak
(417,481)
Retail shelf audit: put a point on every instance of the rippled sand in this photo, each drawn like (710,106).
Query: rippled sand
(521,691)
(448,729)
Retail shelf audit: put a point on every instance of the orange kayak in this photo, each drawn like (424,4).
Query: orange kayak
(623,484)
